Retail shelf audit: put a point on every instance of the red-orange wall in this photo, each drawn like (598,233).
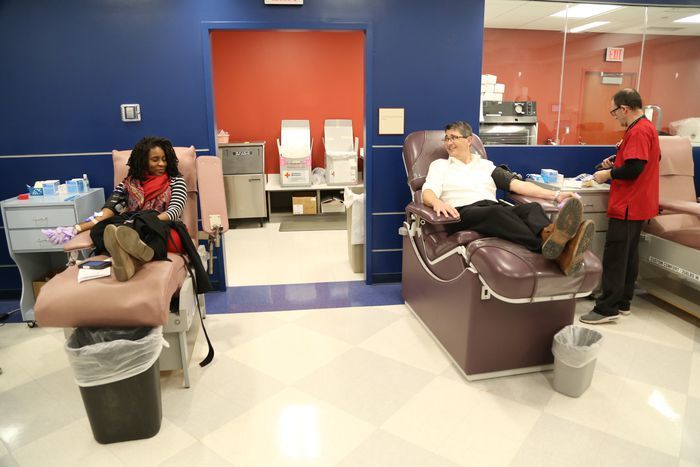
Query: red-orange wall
(264,77)
(531,60)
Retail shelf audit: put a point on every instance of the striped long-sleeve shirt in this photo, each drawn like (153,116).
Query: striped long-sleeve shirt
(178,197)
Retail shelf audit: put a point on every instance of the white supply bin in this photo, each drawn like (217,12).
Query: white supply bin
(295,153)
(688,127)
(354,200)
(341,152)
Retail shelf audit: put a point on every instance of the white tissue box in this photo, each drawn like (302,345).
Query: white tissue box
(50,187)
(76,185)
(549,175)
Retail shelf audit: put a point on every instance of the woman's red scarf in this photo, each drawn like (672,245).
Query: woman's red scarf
(153,193)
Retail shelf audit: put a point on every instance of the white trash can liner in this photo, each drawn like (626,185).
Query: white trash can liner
(577,346)
(356,202)
(106,355)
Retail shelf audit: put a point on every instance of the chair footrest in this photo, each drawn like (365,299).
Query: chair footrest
(144,300)
(514,272)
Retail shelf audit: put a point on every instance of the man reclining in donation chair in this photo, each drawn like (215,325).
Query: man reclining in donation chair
(494,304)
(140,221)
(463,187)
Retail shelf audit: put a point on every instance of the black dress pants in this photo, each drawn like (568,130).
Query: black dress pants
(520,224)
(620,265)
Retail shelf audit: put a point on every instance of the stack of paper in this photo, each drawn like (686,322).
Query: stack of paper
(89,274)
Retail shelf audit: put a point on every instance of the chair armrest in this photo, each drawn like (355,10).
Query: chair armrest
(681,207)
(427,213)
(546,204)
(79,242)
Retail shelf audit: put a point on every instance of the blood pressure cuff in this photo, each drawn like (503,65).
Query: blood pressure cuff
(116,202)
(502,176)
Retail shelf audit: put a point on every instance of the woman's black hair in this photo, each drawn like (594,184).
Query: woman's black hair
(138,161)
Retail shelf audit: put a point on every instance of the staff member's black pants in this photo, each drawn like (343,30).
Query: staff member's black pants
(521,224)
(620,266)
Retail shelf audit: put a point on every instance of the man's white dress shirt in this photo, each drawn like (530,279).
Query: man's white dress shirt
(459,184)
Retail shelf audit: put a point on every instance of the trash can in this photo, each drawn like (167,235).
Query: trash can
(354,200)
(575,350)
(119,379)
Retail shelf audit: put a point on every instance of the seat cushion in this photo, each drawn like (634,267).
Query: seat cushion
(512,271)
(144,300)
(439,242)
(678,228)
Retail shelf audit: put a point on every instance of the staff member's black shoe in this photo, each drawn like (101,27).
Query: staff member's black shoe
(593,317)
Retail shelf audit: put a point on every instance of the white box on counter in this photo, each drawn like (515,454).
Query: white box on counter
(492,96)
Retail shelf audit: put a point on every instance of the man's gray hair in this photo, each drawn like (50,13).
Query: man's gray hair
(462,127)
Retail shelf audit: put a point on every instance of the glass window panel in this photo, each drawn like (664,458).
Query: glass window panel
(603,54)
(523,49)
(671,71)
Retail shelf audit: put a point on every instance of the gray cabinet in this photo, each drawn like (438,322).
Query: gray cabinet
(595,208)
(245,195)
(244,180)
(34,255)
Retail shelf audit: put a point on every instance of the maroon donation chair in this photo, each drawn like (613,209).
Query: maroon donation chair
(669,249)
(494,306)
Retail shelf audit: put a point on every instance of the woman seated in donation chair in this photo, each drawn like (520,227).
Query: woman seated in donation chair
(140,221)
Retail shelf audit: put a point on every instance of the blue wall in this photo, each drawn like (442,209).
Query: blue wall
(68,65)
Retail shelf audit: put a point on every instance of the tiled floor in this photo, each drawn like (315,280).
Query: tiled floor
(366,386)
(266,256)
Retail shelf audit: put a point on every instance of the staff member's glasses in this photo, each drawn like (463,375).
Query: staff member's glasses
(612,112)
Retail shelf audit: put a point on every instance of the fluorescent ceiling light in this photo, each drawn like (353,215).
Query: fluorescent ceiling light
(585,10)
(688,19)
(588,26)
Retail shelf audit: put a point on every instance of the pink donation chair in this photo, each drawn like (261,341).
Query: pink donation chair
(669,249)
(494,306)
(162,292)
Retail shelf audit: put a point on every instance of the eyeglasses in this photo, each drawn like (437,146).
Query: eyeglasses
(612,112)
(453,138)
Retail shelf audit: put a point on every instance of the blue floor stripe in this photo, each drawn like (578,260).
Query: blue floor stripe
(282,298)
(302,297)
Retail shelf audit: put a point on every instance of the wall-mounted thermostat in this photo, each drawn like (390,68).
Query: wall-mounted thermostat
(131,113)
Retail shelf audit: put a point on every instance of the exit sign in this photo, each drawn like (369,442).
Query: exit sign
(614,54)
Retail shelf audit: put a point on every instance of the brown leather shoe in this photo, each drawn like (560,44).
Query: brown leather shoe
(130,242)
(122,263)
(571,259)
(563,228)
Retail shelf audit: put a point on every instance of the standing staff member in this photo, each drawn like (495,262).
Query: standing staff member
(634,198)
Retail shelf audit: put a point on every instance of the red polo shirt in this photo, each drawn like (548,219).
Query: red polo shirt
(637,199)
